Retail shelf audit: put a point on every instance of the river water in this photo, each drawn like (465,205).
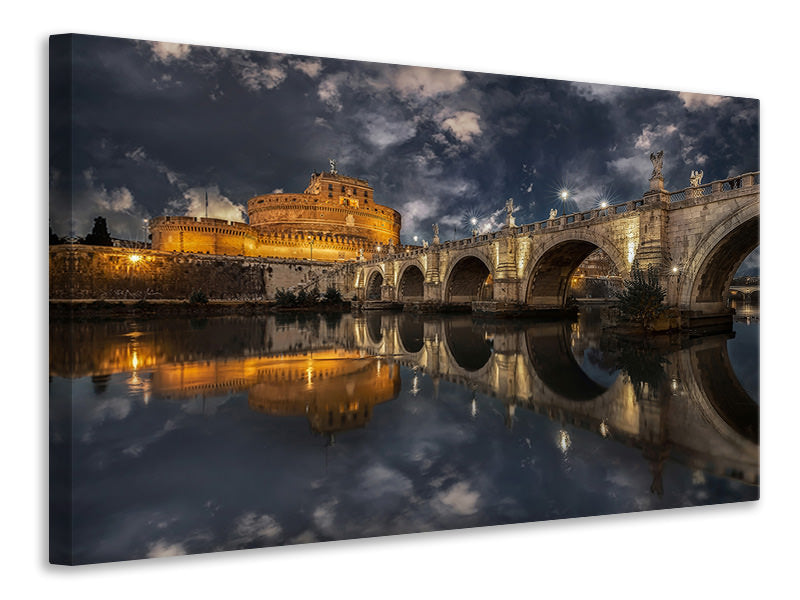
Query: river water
(199,435)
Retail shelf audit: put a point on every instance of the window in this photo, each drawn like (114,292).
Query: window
(330,186)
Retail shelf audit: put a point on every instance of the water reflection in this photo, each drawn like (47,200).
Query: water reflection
(424,402)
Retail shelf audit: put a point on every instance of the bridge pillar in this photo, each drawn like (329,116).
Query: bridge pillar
(505,280)
(432,287)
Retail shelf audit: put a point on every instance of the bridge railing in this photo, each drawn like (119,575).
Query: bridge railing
(722,185)
(732,183)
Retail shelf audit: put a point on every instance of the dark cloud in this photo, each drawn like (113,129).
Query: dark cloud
(435,144)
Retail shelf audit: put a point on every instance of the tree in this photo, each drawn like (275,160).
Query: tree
(99,235)
(54,239)
(332,295)
(642,299)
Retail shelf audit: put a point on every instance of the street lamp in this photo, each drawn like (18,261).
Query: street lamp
(474,222)
(564,196)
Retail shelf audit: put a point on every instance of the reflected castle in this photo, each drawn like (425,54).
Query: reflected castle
(681,403)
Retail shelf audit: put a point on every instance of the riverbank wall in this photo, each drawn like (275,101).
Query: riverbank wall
(105,273)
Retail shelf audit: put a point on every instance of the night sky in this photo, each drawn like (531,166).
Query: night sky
(156,125)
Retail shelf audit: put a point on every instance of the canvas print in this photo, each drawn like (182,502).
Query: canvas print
(296,299)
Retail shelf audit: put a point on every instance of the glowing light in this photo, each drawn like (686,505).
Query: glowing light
(674,269)
(135,361)
(134,258)
(564,194)
(378,248)
(564,442)
(604,204)
(416,238)
(474,220)
(604,431)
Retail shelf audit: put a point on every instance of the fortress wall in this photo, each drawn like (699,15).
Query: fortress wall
(216,236)
(99,272)
(278,213)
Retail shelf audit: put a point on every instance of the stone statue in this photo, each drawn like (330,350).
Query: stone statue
(657,159)
(553,213)
(360,254)
(424,243)
(509,213)
(695,178)
(333,165)
(435,233)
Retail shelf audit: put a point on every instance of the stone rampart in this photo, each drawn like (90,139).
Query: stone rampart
(98,272)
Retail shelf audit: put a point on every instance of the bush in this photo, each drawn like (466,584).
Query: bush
(285,298)
(332,295)
(198,297)
(642,299)
(303,298)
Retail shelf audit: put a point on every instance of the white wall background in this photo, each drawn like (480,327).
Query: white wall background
(731,48)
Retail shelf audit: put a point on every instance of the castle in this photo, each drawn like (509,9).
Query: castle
(336,218)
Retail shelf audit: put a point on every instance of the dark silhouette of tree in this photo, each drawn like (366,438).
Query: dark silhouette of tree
(642,299)
(99,235)
(54,239)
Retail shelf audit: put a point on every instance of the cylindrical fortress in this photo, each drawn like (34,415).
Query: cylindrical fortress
(335,218)
(332,204)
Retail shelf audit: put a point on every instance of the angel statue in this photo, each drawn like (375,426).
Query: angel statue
(333,165)
(657,159)
(509,213)
(553,213)
(695,178)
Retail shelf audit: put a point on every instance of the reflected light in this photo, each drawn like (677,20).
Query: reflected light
(415,385)
(604,431)
(564,441)
(473,410)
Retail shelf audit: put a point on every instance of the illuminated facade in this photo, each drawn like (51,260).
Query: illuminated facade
(335,219)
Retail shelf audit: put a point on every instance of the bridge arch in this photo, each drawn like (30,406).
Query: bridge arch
(373,286)
(552,265)
(411,283)
(469,278)
(705,280)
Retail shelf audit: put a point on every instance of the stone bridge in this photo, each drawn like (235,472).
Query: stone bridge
(696,413)
(696,238)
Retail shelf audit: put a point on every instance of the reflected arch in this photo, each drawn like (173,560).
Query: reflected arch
(467,346)
(411,286)
(548,280)
(707,277)
(374,283)
(469,279)
(374,327)
(551,357)
(721,387)
(411,330)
